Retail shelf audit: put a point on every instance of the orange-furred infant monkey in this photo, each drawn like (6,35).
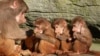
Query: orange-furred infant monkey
(62,33)
(82,36)
(43,30)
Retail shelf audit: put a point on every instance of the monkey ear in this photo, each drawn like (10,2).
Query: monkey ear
(14,5)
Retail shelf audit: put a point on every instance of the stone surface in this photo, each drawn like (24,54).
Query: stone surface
(89,9)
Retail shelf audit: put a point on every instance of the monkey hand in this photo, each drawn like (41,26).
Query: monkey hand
(57,35)
(79,36)
(61,37)
(38,35)
(69,39)
(76,35)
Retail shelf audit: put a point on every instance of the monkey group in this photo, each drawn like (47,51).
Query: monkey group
(56,37)
(45,38)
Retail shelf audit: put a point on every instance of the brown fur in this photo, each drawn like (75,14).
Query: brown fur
(65,36)
(9,28)
(83,38)
(32,43)
(48,43)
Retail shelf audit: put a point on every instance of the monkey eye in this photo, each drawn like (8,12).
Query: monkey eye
(56,26)
(74,25)
(34,25)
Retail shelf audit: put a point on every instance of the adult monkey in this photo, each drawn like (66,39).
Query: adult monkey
(11,14)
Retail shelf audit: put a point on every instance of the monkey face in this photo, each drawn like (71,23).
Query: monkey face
(77,27)
(58,29)
(20,18)
(38,29)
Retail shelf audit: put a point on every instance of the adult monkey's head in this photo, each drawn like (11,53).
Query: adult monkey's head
(14,8)
(12,13)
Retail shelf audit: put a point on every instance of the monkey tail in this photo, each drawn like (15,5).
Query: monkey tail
(95,53)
